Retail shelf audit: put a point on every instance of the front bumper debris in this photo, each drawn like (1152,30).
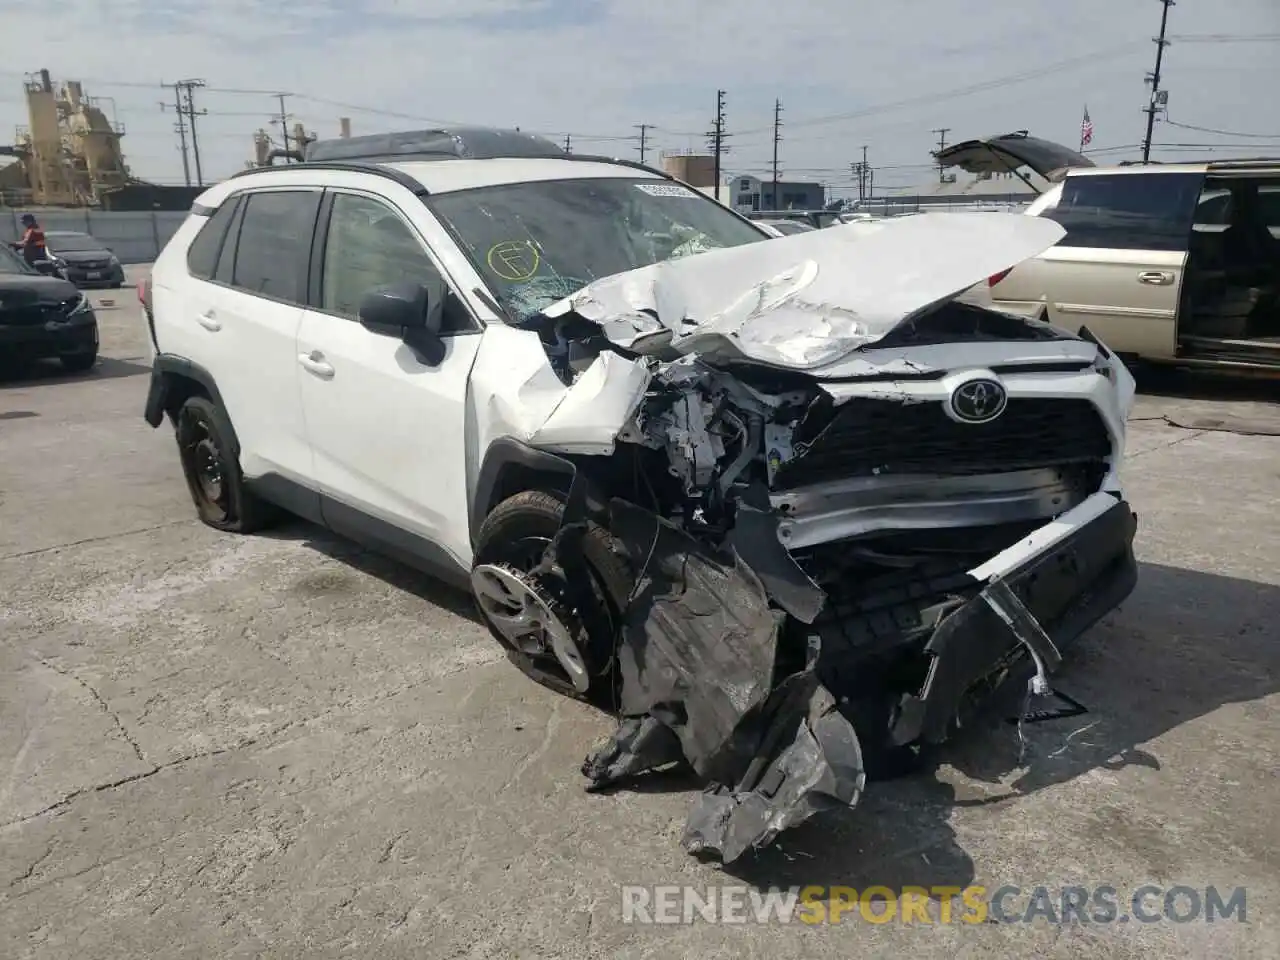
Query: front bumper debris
(703,680)
(1036,608)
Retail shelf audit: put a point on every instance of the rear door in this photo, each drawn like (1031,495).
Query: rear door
(1120,267)
(248,319)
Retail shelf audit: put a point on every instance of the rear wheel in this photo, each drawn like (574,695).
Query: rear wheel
(561,638)
(213,472)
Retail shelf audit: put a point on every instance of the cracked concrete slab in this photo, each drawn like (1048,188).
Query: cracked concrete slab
(281,745)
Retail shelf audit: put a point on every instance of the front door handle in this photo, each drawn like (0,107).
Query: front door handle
(1156,278)
(314,362)
(209,320)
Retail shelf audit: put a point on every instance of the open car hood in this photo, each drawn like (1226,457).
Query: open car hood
(1010,151)
(810,299)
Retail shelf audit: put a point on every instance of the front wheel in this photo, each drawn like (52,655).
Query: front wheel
(564,645)
(79,362)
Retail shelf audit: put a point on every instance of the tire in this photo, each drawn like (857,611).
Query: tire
(215,482)
(79,362)
(513,535)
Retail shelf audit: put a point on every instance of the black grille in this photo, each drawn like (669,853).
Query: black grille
(865,437)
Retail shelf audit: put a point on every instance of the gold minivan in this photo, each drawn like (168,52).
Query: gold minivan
(1174,263)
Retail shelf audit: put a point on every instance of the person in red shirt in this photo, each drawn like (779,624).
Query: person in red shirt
(32,242)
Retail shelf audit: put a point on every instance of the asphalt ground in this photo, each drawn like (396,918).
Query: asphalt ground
(215,746)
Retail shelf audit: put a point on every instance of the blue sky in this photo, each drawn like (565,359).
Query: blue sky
(884,74)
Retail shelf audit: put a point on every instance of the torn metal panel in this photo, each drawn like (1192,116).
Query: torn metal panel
(601,401)
(699,640)
(807,300)
(698,659)
(810,762)
(515,392)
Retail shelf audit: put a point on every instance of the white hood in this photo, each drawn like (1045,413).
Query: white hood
(807,300)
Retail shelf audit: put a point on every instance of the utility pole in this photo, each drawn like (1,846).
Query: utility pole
(180,128)
(284,124)
(717,137)
(644,129)
(188,108)
(568,143)
(942,145)
(1157,95)
(777,138)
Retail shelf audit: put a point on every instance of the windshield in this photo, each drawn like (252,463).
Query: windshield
(790,227)
(72,241)
(11,263)
(536,243)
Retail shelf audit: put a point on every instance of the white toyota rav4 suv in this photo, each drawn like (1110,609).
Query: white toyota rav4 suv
(790,506)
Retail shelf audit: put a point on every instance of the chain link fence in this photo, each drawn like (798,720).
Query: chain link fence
(133,237)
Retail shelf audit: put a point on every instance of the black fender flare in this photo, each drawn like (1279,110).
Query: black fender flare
(504,455)
(164,370)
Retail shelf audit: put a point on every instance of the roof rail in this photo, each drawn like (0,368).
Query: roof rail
(350,166)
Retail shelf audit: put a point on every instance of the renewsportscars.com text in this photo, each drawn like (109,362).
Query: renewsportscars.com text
(812,905)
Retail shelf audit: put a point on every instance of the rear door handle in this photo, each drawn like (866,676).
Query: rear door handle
(314,362)
(1157,278)
(209,321)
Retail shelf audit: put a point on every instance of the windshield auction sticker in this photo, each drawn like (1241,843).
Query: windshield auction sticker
(514,260)
(665,190)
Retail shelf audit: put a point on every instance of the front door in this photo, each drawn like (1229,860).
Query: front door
(386,424)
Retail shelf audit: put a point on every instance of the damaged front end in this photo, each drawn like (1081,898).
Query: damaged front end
(850,504)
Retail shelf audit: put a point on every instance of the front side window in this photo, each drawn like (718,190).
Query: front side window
(536,243)
(274,244)
(368,246)
(1128,211)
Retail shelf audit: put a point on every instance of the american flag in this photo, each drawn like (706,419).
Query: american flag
(1086,130)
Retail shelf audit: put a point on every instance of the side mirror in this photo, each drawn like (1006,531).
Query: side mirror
(48,267)
(404,307)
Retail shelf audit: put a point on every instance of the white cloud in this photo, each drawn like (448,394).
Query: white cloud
(596,67)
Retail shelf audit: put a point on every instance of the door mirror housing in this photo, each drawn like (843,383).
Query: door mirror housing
(48,267)
(405,307)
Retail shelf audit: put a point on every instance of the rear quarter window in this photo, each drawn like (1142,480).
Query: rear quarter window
(1128,211)
(202,255)
(273,247)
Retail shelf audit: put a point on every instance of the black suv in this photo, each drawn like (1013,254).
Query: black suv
(43,317)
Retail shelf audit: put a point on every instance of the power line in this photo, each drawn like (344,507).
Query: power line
(716,137)
(1158,97)
(1226,37)
(942,145)
(188,108)
(1224,133)
(180,128)
(644,129)
(777,138)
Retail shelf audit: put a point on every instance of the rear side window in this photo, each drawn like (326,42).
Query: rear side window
(202,255)
(1128,211)
(274,244)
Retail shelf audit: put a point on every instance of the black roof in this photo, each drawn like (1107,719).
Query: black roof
(458,143)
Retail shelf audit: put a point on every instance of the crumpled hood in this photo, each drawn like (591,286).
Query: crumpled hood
(809,299)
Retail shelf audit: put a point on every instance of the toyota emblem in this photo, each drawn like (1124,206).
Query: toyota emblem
(979,401)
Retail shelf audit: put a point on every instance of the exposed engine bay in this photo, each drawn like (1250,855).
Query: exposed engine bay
(841,527)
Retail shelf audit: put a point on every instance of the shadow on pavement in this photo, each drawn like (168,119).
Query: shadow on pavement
(1178,384)
(43,372)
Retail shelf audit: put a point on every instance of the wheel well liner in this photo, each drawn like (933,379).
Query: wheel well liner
(176,379)
(511,466)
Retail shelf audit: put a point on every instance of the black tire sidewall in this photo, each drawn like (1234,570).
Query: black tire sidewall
(538,513)
(200,410)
